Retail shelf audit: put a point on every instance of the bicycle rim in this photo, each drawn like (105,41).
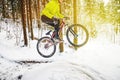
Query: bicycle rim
(46,47)
(77,35)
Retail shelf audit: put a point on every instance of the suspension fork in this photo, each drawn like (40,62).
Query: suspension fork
(73,32)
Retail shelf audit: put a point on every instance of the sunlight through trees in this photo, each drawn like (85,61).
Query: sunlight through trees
(93,14)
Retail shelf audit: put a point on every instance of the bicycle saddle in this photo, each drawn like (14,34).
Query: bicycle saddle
(48,33)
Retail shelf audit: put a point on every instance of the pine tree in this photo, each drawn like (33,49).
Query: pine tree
(23,9)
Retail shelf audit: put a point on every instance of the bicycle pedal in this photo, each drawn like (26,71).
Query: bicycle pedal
(61,40)
(57,40)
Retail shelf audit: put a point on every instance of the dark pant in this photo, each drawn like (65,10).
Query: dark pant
(52,22)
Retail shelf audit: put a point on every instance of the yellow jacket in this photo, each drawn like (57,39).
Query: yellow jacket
(52,9)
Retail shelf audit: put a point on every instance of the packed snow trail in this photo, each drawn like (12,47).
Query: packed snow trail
(63,70)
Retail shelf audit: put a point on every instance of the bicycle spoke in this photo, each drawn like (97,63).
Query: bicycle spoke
(46,47)
(73,32)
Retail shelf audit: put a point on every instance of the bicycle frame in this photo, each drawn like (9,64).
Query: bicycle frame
(61,26)
(52,36)
(55,43)
(60,30)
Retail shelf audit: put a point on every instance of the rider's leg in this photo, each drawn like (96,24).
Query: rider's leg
(56,31)
(56,27)
(47,20)
(53,22)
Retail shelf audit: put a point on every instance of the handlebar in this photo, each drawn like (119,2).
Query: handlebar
(66,18)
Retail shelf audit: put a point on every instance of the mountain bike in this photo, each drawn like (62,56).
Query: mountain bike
(46,46)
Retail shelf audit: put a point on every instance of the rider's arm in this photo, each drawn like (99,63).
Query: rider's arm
(48,10)
(58,14)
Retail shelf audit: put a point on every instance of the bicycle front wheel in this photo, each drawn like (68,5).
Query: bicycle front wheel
(77,35)
(46,47)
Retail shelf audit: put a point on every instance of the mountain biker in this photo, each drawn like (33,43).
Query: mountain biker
(51,15)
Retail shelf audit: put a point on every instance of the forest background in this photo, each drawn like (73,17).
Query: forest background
(100,17)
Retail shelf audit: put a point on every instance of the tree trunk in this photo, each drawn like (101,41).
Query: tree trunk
(28,15)
(75,19)
(38,14)
(61,46)
(31,27)
(13,10)
(3,10)
(43,3)
(23,8)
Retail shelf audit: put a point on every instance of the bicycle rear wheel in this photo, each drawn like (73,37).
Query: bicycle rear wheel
(77,38)
(46,47)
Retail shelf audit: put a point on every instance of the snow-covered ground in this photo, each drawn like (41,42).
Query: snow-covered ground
(99,59)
